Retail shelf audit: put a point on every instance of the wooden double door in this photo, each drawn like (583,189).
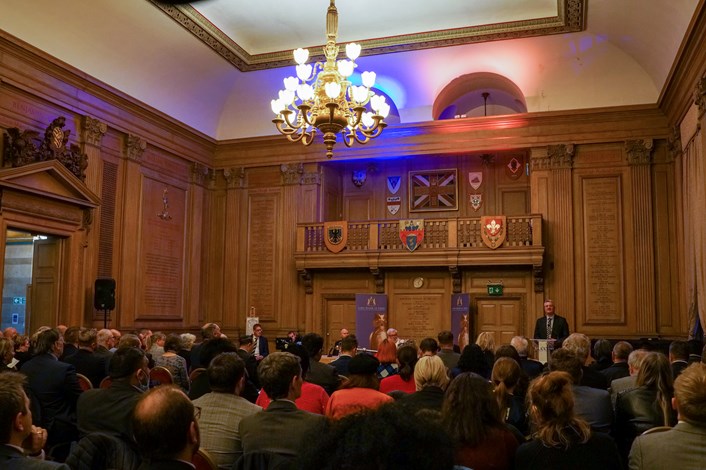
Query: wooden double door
(502,316)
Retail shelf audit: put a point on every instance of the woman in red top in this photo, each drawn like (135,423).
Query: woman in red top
(403,381)
(360,392)
(313,398)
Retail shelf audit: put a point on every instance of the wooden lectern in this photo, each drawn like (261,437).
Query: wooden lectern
(544,347)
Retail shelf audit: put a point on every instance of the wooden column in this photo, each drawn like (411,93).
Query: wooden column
(91,136)
(552,196)
(639,155)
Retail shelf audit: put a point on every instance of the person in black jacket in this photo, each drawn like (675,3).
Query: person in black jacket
(550,325)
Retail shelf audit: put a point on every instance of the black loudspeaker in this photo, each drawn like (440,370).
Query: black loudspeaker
(104,294)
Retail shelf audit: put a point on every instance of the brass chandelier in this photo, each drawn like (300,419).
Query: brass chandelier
(330,103)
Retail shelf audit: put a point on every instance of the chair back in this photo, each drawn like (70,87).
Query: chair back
(160,376)
(202,460)
(105,383)
(195,373)
(83,382)
(98,450)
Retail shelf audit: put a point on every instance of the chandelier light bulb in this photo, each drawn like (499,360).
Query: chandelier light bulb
(359,94)
(291,83)
(304,72)
(345,67)
(332,89)
(384,110)
(286,97)
(277,107)
(301,56)
(368,120)
(368,79)
(305,92)
(376,101)
(353,51)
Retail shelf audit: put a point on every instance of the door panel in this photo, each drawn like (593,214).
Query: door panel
(44,293)
(338,313)
(502,317)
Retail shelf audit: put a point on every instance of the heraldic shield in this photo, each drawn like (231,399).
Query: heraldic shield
(493,229)
(412,233)
(335,235)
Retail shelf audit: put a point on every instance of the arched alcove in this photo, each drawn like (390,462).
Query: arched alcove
(479,94)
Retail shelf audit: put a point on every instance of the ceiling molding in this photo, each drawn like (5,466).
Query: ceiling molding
(571,18)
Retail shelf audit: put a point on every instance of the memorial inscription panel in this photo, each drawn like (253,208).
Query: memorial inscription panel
(417,316)
(603,239)
(261,252)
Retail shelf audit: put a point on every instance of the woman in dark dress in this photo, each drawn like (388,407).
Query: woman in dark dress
(561,439)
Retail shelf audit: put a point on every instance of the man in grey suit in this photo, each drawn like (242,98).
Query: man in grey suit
(19,438)
(681,447)
(282,428)
(446,351)
(627,383)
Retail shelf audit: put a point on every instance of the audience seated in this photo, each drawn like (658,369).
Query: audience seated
(155,344)
(562,440)
(166,429)
(319,373)
(187,342)
(54,387)
(627,383)
(103,451)
(360,391)
(403,381)
(387,355)
(174,362)
(245,351)
(22,353)
(580,345)
(208,331)
(70,341)
(472,360)
(507,350)
(647,406)
(531,367)
(506,377)
(7,355)
(86,361)
(430,381)
(282,428)
(109,410)
(590,404)
(446,349)
(385,438)
(619,357)
(428,347)
(678,356)
(346,349)
(104,345)
(486,341)
(313,397)
(210,350)
(223,408)
(471,416)
(602,353)
(20,442)
(683,446)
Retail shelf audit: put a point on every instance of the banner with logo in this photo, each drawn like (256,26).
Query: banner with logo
(370,319)
(461,326)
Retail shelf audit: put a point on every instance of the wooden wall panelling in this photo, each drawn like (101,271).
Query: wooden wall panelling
(331,195)
(194,252)
(219,230)
(227,282)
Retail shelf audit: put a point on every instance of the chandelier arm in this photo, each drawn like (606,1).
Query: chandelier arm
(286,114)
(308,137)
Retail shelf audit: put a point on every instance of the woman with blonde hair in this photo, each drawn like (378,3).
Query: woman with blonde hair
(561,439)
(430,380)
(486,341)
(506,377)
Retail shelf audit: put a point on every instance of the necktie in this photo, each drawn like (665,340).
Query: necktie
(549,327)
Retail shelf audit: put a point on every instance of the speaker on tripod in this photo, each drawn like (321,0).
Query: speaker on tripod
(104,297)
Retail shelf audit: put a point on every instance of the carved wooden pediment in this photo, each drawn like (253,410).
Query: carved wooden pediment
(50,180)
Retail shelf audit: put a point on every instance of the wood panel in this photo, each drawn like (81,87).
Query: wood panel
(44,298)
(501,317)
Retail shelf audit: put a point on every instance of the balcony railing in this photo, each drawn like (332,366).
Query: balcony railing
(446,242)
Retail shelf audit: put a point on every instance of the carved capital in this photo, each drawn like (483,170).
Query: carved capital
(313,177)
(557,157)
(235,177)
(306,278)
(199,173)
(135,147)
(93,130)
(700,95)
(639,151)
(292,173)
(674,148)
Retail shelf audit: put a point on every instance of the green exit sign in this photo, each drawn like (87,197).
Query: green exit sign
(495,289)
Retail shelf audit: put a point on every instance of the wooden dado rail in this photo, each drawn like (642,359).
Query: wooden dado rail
(447,242)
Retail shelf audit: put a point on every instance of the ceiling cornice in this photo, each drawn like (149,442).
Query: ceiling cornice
(571,18)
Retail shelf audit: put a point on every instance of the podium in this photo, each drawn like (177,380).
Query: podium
(544,347)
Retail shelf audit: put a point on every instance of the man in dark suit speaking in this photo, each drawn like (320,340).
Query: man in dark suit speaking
(551,326)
